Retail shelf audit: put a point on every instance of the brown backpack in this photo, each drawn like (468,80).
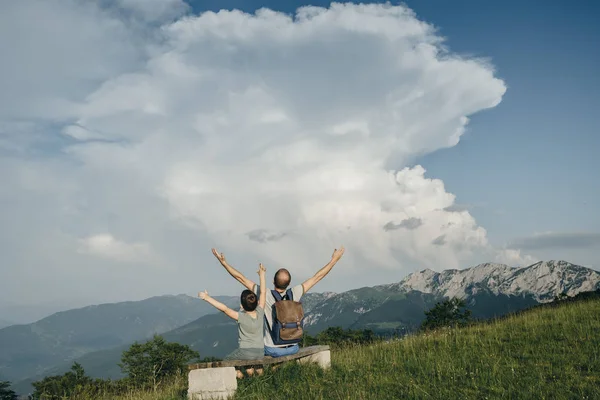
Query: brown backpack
(288,319)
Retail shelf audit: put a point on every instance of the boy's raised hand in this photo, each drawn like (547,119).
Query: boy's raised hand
(261,269)
(203,295)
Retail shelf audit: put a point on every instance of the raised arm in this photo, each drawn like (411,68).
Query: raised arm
(310,282)
(232,271)
(218,305)
(262,297)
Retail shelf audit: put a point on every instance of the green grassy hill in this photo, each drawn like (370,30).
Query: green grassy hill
(546,352)
(542,353)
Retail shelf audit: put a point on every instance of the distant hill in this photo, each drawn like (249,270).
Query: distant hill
(490,290)
(388,311)
(4,323)
(27,350)
(28,313)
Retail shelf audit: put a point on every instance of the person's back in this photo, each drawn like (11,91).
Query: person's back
(250,329)
(272,349)
(250,321)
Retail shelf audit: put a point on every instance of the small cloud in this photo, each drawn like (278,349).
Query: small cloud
(263,236)
(553,240)
(410,224)
(439,241)
(458,208)
(79,132)
(106,246)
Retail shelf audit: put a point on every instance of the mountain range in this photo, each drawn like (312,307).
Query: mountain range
(18,313)
(543,280)
(212,335)
(29,349)
(490,290)
(4,323)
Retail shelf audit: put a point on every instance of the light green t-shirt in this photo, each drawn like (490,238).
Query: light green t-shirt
(250,330)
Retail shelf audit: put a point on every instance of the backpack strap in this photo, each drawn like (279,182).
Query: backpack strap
(288,294)
(277,295)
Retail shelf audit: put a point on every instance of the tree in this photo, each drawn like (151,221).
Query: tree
(561,296)
(5,392)
(450,313)
(61,386)
(148,364)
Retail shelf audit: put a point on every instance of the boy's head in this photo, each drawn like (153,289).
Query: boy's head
(282,279)
(248,300)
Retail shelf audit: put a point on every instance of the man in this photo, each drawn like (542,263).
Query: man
(281,281)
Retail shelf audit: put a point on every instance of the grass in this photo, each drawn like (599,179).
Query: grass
(174,390)
(544,353)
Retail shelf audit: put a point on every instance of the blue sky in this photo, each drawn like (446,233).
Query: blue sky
(530,164)
(124,155)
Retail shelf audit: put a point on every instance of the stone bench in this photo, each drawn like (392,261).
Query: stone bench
(217,379)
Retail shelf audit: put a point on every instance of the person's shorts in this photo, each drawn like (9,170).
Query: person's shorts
(246,354)
(281,351)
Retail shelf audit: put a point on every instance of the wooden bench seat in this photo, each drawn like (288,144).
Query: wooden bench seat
(217,379)
(266,360)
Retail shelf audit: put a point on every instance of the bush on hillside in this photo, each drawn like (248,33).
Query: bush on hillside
(151,363)
(581,296)
(449,313)
(58,387)
(5,392)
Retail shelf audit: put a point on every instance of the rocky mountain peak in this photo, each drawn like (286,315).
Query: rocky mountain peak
(544,280)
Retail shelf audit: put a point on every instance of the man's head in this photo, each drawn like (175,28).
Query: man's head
(249,300)
(282,279)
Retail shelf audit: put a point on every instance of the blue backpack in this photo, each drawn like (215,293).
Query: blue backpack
(288,319)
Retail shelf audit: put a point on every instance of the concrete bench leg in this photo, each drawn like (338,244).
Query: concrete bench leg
(211,383)
(323,358)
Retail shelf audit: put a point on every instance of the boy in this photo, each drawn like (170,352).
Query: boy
(250,322)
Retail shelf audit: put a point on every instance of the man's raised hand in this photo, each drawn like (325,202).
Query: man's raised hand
(337,254)
(220,256)
(237,275)
(312,281)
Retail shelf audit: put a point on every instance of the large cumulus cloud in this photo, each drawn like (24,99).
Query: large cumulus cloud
(271,136)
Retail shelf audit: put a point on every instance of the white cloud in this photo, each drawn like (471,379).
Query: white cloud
(272,137)
(106,246)
(513,257)
(54,53)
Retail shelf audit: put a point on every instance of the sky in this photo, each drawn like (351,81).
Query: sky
(136,135)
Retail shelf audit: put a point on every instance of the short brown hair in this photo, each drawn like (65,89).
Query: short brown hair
(248,300)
